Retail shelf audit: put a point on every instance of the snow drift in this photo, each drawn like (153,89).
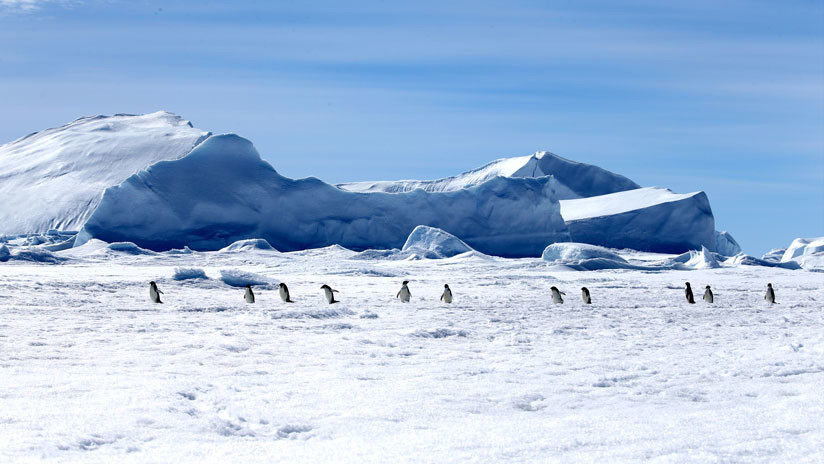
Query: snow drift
(586,257)
(54,179)
(570,179)
(223,191)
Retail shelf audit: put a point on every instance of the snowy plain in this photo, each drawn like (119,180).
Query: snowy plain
(92,371)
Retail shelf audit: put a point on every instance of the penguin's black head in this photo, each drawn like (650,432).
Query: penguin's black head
(323,286)
(281,285)
(769,285)
(248,286)
(405,282)
(445,286)
(688,284)
(153,284)
(584,288)
(553,288)
(708,286)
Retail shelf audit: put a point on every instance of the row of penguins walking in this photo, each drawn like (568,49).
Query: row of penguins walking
(405,295)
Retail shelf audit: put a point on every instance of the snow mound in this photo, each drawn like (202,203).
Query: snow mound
(746,260)
(645,219)
(808,252)
(434,241)
(571,251)
(35,255)
(774,255)
(236,278)
(188,273)
(570,179)
(703,259)
(223,191)
(249,244)
(585,257)
(328,313)
(53,179)
(128,248)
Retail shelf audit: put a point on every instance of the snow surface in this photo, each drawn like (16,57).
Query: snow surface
(91,371)
(435,243)
(223,191)
(570,179)
(53,179)
(645,219)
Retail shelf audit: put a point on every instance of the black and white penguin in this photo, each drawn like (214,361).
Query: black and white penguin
(688,294)
(249,295)
(708,295)
(154,292)
(446,297)
(328,292)
(284,293)
(556,295)
(404,294)
(770,296)
(585,295)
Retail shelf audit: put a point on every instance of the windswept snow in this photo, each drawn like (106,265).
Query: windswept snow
(53,179)
(570,179)
(92,371)
(223,191)
(249,244)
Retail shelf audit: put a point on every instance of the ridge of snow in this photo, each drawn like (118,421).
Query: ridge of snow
(571,179)
(431,241)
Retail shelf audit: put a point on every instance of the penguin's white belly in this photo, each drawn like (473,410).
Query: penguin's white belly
(153,295)
(556,297)
(328,294)
(447,296)
(404,294)
(284,295)
(708,296)
(249,296)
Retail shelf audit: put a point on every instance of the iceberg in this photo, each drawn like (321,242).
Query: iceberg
(433,242)
(645,219)
(570,179)
(222,192)
(54,179)
(807,252)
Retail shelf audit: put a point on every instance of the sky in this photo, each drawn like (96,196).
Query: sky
(725,97)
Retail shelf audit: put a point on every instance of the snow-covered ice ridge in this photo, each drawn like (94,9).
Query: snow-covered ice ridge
(91,371)
(163,187)
(53,179)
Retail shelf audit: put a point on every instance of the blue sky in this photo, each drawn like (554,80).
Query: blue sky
(725,97)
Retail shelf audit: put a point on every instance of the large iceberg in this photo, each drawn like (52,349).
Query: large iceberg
(570,179)
(53,179)
(807,252)
(223,191)
(646,219)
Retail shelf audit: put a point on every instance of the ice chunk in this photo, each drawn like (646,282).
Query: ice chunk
(808,252)
(442,244)
(249,244)
(188,273)
(5,254)
(725,244)
(236,278)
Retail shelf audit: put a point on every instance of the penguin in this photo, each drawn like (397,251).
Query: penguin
(770,296)
(328,293)
(249,295)
(446,297)
(585,295)
(154,292)
(708,295)
(404,293)
(556,295)
(688,294)
(284,293)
